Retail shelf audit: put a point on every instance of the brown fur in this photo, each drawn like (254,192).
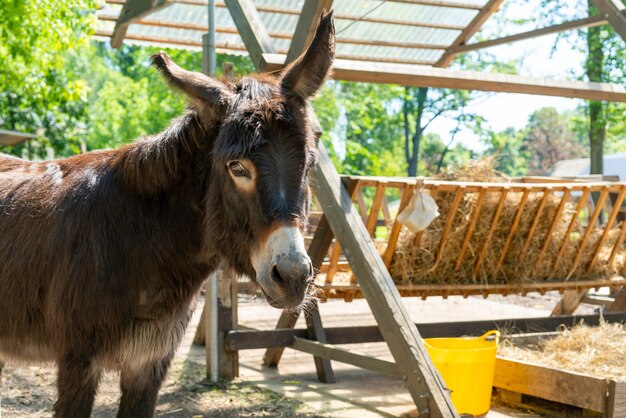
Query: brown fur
(102,253)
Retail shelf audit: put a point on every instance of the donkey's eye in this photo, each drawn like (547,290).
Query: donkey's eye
(238,170)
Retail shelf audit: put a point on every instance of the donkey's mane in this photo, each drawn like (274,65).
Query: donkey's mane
(157,162)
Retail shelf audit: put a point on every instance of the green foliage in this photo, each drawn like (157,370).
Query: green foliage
(605,60)
(506,147)
(37,89)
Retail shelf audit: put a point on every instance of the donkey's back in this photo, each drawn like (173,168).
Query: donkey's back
(49,251)
(81,258)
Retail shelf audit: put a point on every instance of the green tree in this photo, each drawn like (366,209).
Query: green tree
(548,139)
(37,90)
(507,148)
(605,60)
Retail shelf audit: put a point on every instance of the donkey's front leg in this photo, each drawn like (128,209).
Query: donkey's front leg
(140,389)
(77,383)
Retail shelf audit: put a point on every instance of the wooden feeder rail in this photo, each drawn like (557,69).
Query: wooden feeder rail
(376,214)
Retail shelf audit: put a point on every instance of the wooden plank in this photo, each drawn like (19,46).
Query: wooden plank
(589,229)
(616,401)
(494,223)
(441,3)
(613,11)
(425,290)
(619,304)
(553,224)
(252,30)
(474,186)
(422,379)
(255,339)
(607,228)
(470,228)
(226,321)
(131,11)
(569,302)
(516,220)
(419,76)
(315,331)
(531,232)
(394,234)
(570,227)
(332,353)
(446,230)
(574,24)
(354,189)
(306,26)
(273,354)
(544,382)
(279,35)
(481,17)
(372,219)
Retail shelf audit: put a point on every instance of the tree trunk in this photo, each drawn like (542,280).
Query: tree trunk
(412,155)
(594,66)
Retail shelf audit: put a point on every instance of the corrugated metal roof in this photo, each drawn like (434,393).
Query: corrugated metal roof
(422,32)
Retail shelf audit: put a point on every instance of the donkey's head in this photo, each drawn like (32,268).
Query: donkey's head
(260,158)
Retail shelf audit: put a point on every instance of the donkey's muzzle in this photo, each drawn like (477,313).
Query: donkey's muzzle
(294,268)
(283,268)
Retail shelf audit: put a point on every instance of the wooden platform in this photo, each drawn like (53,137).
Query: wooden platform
(607,397)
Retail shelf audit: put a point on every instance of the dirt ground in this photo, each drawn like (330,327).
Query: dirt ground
(30,392)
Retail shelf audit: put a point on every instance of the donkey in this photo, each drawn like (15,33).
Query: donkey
(102,253)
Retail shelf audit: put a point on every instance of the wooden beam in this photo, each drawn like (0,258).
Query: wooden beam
(571,388)
(616,401)
(569,302)
(282,337)
(408,75)
(613,11)
(172,41)
(307,24)
(481,17)
(329,352)
(252,30)
(345,16)
(422,379)
(574,24)
(619,304)
(440,3)
(131,11)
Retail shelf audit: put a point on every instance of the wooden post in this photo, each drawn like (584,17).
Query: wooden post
(226,321)
(422,379)
(619,304)
(569,302)
(316,332)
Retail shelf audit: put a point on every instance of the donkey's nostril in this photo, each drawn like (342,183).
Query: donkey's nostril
(276,275)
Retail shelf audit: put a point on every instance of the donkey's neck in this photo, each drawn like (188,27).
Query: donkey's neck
(157,163)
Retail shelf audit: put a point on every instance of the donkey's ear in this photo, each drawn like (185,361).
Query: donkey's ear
(197,86)
(307,74)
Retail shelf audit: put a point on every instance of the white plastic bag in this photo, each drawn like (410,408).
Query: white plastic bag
(420,212)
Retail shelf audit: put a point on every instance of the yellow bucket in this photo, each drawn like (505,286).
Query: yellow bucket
(467,366)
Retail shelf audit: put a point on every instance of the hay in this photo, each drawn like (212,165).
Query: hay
(415,263)
(599,351)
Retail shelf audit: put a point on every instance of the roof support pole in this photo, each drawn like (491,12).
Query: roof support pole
(490,8)
(574,24)
(209,55)
(131,11)
(305,29)
(252,30)
(613,11)
(411,75)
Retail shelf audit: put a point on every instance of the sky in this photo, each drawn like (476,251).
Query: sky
(503,110)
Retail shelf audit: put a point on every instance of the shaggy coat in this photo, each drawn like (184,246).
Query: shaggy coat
(102,253)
